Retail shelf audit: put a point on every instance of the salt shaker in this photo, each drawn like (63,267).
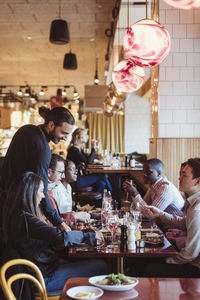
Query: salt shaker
(131,238)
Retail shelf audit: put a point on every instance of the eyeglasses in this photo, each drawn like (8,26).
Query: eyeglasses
(61,172)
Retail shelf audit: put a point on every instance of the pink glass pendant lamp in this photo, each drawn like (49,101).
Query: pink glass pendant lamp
(184,4)
(147,43)
(128,77)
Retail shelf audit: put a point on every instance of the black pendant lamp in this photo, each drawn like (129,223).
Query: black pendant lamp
(70,61)
(59,32)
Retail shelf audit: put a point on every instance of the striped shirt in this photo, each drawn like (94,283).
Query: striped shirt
(164,195)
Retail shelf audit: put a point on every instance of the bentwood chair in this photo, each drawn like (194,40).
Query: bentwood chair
(38,280)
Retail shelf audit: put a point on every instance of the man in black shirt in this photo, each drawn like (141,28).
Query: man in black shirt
(29,151)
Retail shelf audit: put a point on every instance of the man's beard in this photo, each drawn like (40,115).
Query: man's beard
(53,137)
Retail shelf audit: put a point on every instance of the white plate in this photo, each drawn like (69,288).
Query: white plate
(84,289)
(114,288)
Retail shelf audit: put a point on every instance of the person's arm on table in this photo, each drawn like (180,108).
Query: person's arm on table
(167,219)
(78,156)
(192,245)
(41,231)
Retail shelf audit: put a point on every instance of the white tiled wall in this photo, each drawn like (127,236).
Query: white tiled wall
(137,124)
(179,87)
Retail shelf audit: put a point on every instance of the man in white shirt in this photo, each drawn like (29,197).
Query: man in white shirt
(187,262)
(60,193)
(162,193)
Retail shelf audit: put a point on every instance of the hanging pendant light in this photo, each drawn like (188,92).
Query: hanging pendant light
(147,43)
(70,62)
(59,33)
(184,4)
(127,76)
(114,94)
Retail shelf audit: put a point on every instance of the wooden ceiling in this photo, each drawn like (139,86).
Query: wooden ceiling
(27,56)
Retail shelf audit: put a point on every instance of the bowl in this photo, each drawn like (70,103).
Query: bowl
(115,288)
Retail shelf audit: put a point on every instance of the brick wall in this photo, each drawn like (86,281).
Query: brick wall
(137,124)
(179,85)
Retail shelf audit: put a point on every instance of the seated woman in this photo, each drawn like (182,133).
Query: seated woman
(60,193)
(77,155)
(25,230)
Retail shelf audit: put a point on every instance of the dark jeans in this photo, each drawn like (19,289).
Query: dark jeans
(99,181)
(79,268)
(159,268)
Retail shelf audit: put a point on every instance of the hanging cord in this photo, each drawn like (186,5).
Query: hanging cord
(128,14)
(70,46)
(97,66)
(146,9)
(155,13)
(59,10)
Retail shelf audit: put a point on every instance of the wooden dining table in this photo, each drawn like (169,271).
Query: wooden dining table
(147,289)
(162,250)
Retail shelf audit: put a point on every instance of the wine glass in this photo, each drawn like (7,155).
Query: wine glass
(136,219)
(112,221)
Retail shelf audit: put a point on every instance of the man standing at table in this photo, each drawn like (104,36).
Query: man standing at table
(162,193)
(187,262)
(29,151)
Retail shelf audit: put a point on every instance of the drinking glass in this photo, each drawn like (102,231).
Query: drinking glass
(112,220)
(136,219)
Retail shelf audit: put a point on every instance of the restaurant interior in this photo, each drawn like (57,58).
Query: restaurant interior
(129,72)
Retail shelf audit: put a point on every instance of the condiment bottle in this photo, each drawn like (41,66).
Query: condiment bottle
(137,232)
(131,238)
(123,238)
(132,162)
(127,161)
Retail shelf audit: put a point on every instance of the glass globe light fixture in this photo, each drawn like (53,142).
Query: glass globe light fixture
(127,76)
(184,4)
(147,43)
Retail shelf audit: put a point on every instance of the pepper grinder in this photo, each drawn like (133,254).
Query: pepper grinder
(123,238)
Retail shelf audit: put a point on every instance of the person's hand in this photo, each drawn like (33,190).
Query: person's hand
(64,227)
(170,236)
(82,216)
(93,143)
(151,211)
(130,188)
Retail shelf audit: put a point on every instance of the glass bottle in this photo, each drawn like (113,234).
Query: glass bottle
(127,158)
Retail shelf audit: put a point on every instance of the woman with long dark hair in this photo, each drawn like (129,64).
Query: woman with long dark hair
(25,230)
